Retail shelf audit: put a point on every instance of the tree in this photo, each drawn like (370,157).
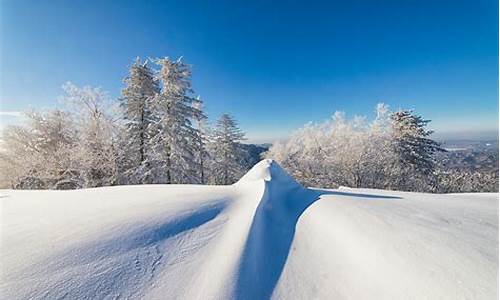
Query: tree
(200,139)
(466,181)
(225,151)
(346,145)
(413,149)
(137,96)
(173,134)
(39,154)
(329,154)
(379,151)
(97,147)
(393,151)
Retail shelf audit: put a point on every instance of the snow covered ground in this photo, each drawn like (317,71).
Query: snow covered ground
(263,237)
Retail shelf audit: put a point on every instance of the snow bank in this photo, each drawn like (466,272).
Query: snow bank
(264,237)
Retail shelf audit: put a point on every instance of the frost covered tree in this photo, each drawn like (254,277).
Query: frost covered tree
(307,154)
(224,151)
(346,146)
(327,154)
(173,134)
(39,154)
(93,111)
(137,97)
(392,151)
(465,181)
(303,155)
(378,149)
(200,140)
(159,138)
(64,149)
(413,149)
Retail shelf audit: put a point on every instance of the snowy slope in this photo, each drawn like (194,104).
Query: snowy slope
(264,237)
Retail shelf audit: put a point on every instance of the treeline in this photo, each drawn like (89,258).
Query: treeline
(156,132)
(393,151)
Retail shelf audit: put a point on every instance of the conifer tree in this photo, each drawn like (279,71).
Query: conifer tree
(225,151)
(200,139)
(413,149)
(137,96)
(174,134)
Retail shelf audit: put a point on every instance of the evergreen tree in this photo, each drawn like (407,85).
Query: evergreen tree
(173,133)
(140,90)
(200,149)
(225,151)
(414,150)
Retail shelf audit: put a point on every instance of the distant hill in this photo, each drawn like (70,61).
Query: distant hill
(252,154)
(470,155)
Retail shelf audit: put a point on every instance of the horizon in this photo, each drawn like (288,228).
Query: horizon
(274,67)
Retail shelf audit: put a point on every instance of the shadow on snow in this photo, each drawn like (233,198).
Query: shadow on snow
(125,262)
(271,235)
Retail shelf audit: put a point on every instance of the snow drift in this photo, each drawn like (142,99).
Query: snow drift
(264,237)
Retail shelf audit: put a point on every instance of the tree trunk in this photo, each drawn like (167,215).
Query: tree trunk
(201,170)
(169,166)
(141,141)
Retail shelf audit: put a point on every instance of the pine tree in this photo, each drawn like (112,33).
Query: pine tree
(225,151)
(141,88)
(174,134)
(414,150)
(200,149)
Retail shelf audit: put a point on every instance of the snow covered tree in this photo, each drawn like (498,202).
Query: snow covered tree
(329,154)
(393,151)
(173,135)
(465,181)
(307,154)
(413,149)
(224,150)
(97,149)
(137,96)
(304,156)
(200,139)
(379,151)
(346,147)
(39,154)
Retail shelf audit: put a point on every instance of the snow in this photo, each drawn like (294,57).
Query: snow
(264,237)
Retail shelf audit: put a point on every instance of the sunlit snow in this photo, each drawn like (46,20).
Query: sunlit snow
(264,237)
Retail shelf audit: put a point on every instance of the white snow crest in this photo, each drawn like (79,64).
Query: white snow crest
(269,170)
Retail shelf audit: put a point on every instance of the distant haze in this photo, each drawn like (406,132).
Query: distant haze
(467,135)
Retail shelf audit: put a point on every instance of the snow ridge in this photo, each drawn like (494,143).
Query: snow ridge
(272,230)
(269,170)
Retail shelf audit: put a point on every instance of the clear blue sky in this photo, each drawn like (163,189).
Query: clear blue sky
(273,65)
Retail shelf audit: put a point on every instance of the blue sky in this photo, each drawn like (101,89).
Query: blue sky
(274,65)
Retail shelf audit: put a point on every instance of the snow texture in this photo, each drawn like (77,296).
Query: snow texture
(264,237)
